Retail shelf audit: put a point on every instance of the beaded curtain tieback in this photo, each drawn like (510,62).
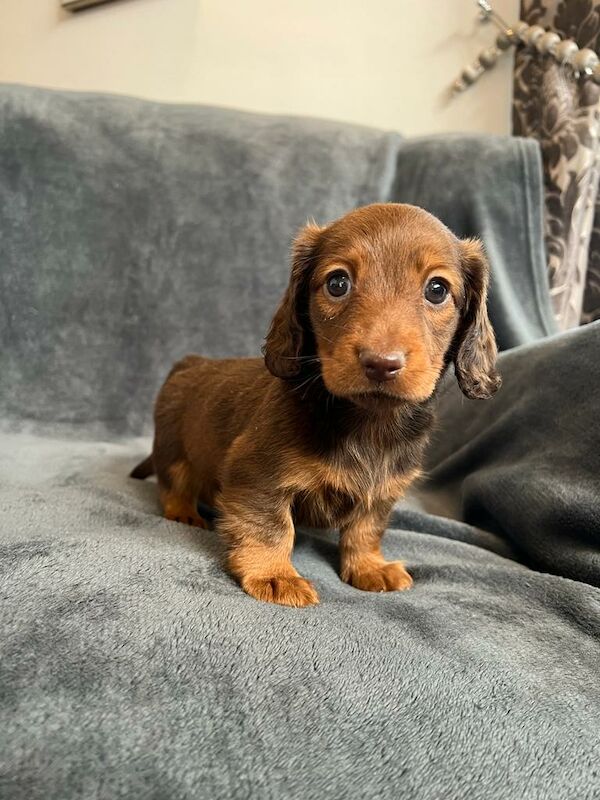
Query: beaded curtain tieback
(582,63)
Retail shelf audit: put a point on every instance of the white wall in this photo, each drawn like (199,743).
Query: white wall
(386,63)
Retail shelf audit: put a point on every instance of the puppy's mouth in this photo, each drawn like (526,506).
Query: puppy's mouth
(376,398)
(374,394)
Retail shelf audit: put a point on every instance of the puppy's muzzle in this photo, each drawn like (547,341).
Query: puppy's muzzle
(381,367)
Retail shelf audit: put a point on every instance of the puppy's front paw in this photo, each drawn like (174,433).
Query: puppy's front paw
(384,576)
(287,591)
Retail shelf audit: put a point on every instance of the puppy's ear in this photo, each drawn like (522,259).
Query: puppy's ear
(474,349)
(286,337)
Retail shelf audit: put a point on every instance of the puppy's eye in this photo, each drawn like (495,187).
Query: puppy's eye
(338,284)
(436,291)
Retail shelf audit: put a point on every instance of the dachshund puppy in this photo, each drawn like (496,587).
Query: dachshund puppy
(329,430)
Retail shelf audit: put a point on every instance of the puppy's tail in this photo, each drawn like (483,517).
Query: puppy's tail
(144,469)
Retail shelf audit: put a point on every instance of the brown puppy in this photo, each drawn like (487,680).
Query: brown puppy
(332,430)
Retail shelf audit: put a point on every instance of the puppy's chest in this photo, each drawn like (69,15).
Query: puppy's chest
(343,482)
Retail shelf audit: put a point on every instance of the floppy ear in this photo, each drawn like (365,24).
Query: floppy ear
(474,349)
(286,337)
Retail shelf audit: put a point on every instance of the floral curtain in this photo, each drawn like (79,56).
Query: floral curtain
(563,114)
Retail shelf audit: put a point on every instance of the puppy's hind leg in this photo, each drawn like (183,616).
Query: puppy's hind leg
(179,496)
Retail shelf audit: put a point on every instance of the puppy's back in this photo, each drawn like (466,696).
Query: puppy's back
(202,406)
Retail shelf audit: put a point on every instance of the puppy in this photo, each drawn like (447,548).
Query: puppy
(329,430)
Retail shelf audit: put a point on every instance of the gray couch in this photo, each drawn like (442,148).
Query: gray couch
(131,665)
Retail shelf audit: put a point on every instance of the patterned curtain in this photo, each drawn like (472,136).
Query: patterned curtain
(563,114)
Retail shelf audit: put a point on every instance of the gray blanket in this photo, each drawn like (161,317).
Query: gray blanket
(131,665)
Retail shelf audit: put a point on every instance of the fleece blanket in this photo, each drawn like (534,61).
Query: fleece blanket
(131,664)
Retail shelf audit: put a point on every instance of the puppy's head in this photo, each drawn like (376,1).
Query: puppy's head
(383,299)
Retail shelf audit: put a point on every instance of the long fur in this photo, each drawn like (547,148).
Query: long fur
(303,435)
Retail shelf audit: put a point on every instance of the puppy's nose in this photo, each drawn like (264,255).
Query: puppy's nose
(379,367)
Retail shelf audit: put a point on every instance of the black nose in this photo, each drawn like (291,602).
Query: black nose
(381,368)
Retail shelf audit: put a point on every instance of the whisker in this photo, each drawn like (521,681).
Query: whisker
(305,382)
(326,339)
(307,359)
(315,378)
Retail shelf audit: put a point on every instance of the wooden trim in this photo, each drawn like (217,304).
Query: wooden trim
(79,5)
